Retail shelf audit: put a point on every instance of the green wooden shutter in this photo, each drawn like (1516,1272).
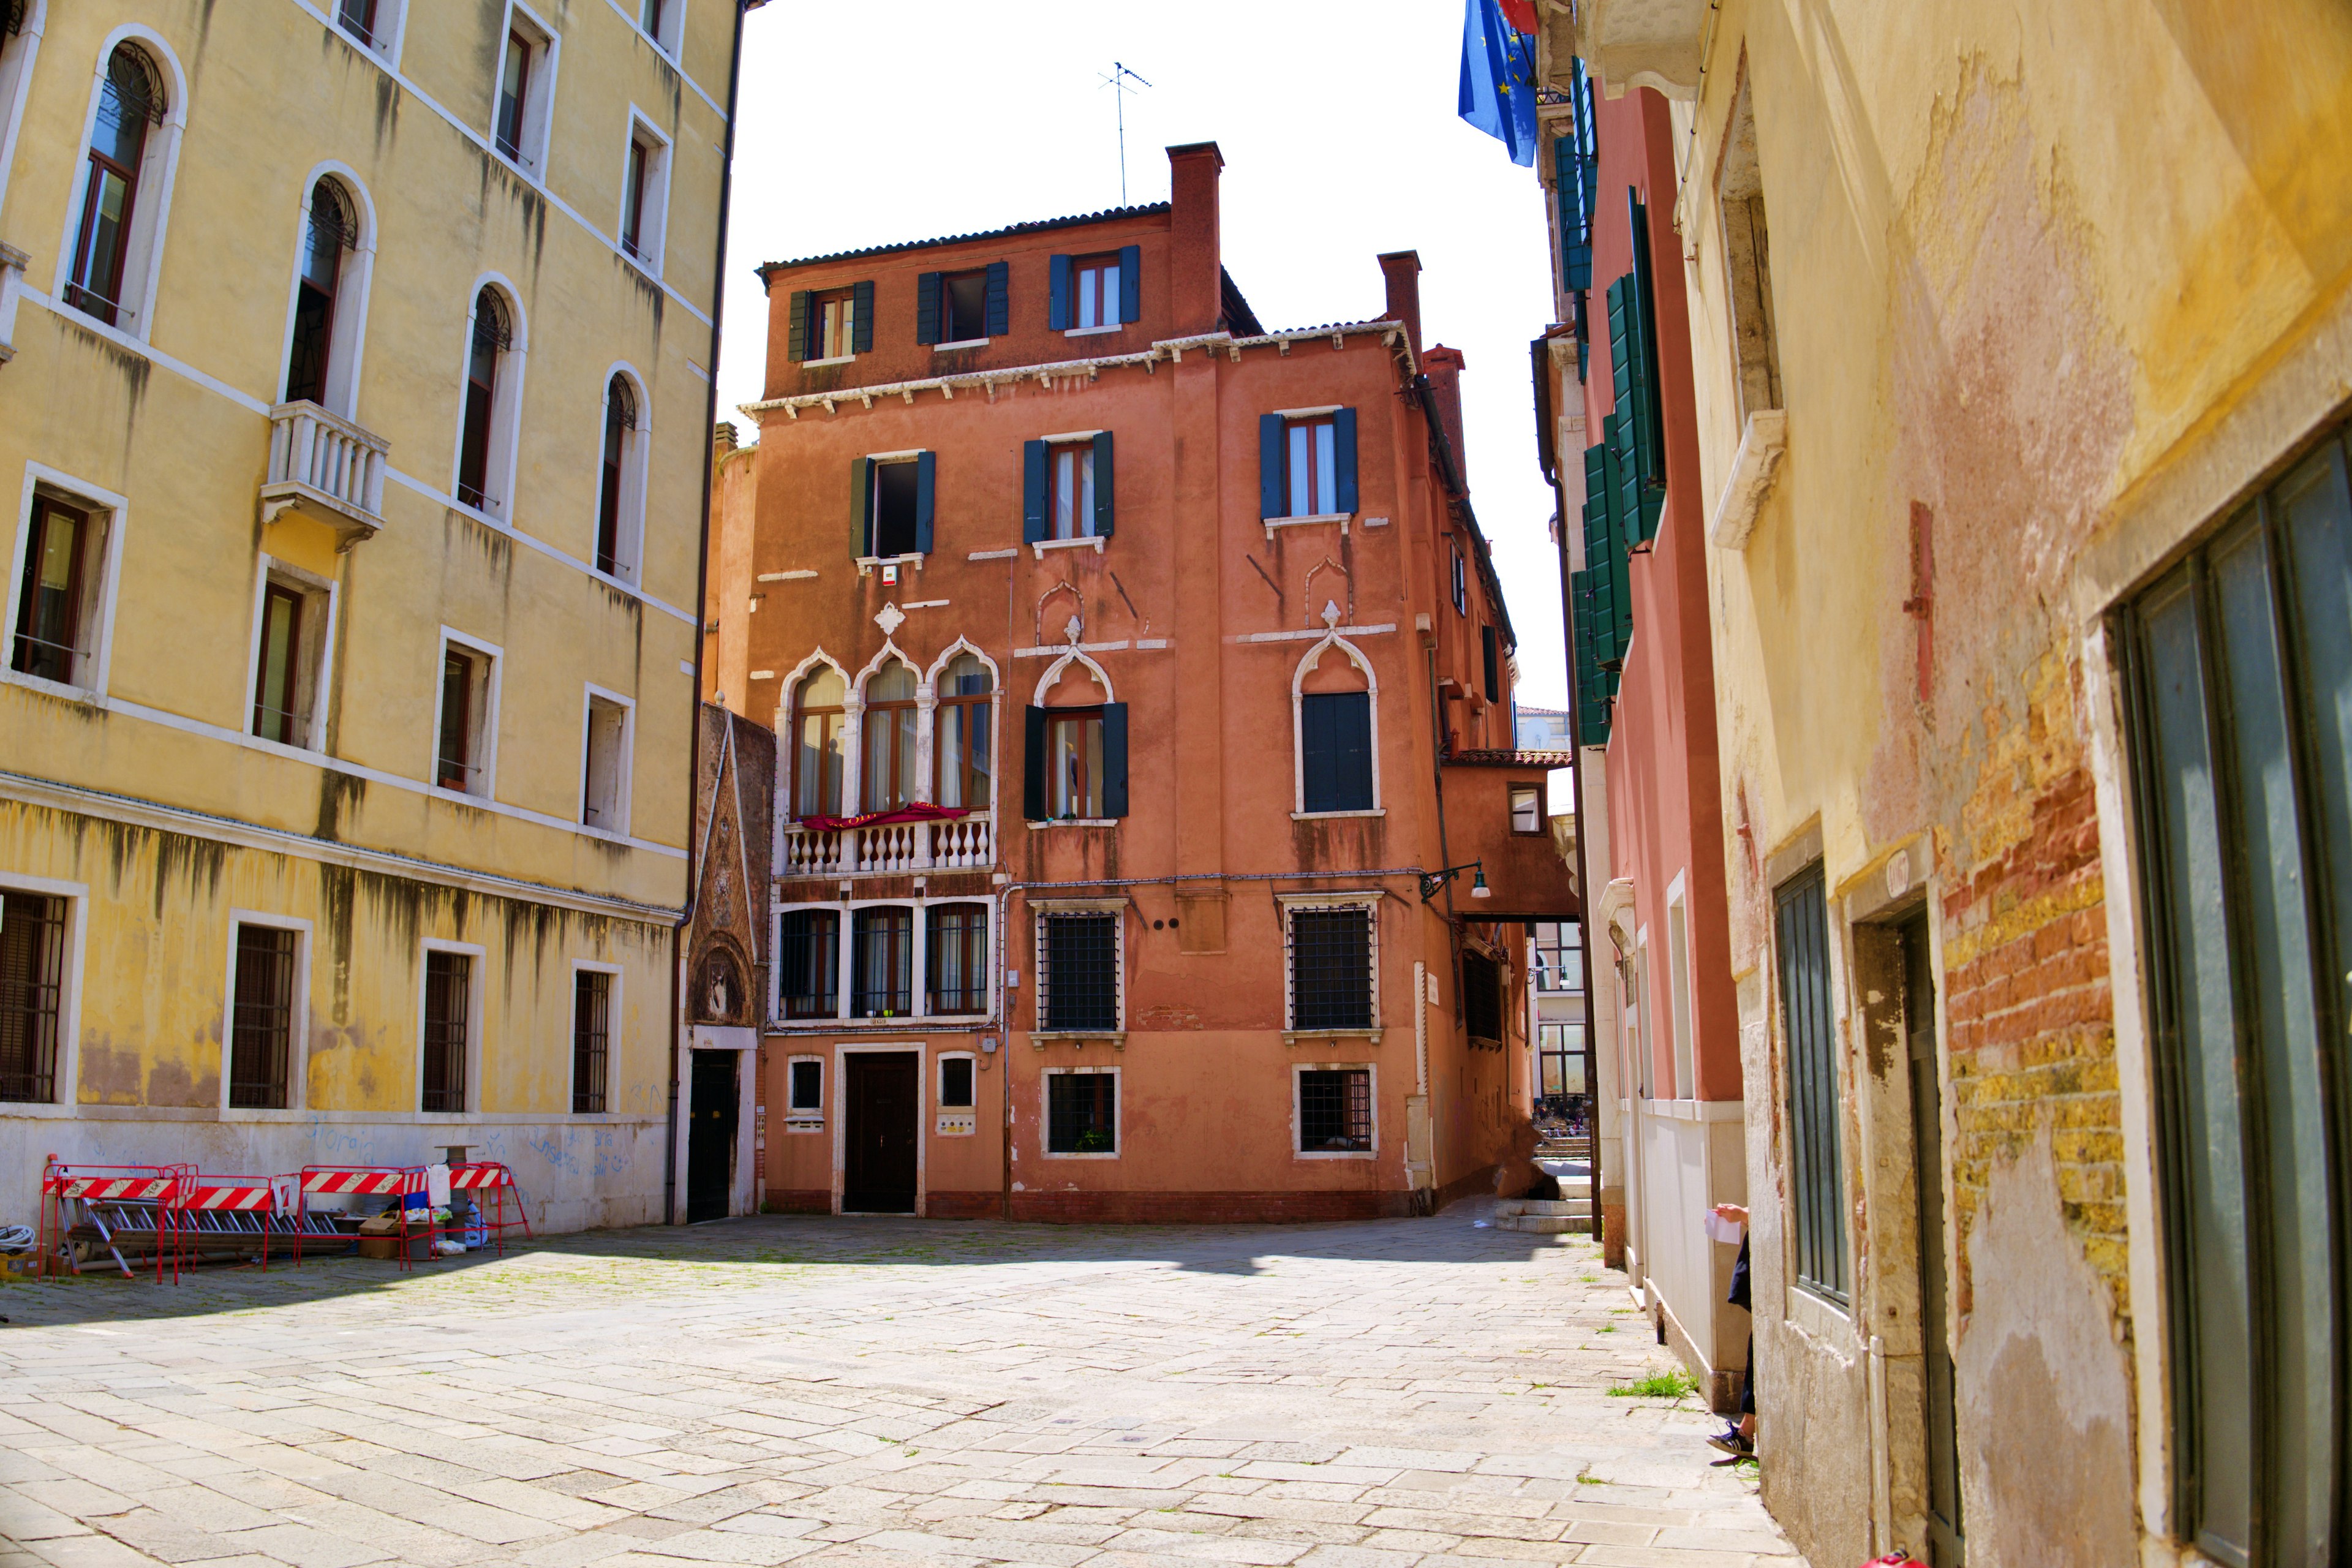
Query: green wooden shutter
(999,300)
(862,330)
(1270,503)
(1595,687)
(796,345)
(1114,791)
(1033,491)
(1103,506)
(1343,456)
(1575,233)
(927,307)
(1058,307)
(861,504)
(925,474)
(1032,765)
(1130,282)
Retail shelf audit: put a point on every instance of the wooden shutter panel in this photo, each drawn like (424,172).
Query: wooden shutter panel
(1000,296)
(1103,503)
(1114,791)
(1490,648)
(1343,456)
(796,342)
(1316,748)
(1130,282)
(1033,491)
(1270,501)
(1575,236)
(927,307)
(926,471)
(1057,308)
(861,504)
(862,330)
(1352,728)
(1033,766)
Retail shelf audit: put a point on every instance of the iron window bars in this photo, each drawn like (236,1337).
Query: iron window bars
(591,1040)
(1331,967)
(1082,1113)
(956,955)
(261,1018)
(1077,972)
(1335,1110)
(1800,929)
(32,994)
(448,980)
(808,957)
(882,962)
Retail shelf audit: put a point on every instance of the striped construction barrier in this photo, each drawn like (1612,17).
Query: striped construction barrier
(60,1183)
(363,1179)
(108,1204)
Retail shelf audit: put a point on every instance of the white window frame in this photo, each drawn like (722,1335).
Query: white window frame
(347,335)
(476,993)
(613,999)
(500,465)
(159,166)
(1045,1112)
(1306,665)
(590,695)
(852,724)
(1678,984)
(1298,1111)
(298,1042)
(485,717)
(314,589)
(66,1105)
(112,513)
(802,1119)
(636,461)
(535,136)
(16,60)
(1038,910)
(867,563)
(1366,899)
(390,29)
(923,908)
(927,701)
(653,218)
(954,1121)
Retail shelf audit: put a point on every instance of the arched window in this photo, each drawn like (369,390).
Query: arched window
(618,490)
(816,759)
(130,102)
(1335,732)
(330,233)
(961,734)
(493,337)
(890,737)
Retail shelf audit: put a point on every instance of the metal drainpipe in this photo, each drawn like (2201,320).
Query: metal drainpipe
(1584,860)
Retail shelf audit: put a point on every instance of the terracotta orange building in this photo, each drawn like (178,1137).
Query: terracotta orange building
(1114,642)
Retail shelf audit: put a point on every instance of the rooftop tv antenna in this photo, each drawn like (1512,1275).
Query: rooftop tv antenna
(1116,80)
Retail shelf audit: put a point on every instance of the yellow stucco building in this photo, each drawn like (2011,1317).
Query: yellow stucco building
(355,429)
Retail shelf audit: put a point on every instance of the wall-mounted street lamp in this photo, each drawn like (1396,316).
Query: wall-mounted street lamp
(1431,882)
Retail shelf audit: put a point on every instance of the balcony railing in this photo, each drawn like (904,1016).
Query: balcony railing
(963,843)
(328,468)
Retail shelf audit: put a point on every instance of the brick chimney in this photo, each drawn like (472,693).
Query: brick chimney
(1401,271)
(1196,254)
(1443,367)
(724,438)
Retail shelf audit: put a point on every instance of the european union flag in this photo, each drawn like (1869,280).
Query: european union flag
(1498,79)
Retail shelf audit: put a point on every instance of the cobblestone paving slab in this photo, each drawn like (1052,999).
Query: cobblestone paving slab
(1409,1393)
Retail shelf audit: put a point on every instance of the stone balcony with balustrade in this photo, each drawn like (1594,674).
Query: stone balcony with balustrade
(326,468)
(892,848)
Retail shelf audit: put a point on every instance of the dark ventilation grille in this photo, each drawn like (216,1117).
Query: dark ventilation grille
(1331,969)
(1482,998)
(1078,982)
(1335,1111)
(262,1026)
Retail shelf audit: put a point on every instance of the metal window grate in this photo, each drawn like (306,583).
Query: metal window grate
(809,958)
(1077,972)
(882,963)
(12,17)
(808,1086)
(591,1040)
(1801,926)
(1331,968)
(449,979)
(1082,1113)
(956,957)
(32,994)
(1335,1110)
(261,1024)
(1482,998)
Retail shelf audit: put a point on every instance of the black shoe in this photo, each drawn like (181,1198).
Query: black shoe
(1732,1443)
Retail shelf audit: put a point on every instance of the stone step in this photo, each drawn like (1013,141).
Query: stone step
(1545,1225)
(1545,1207)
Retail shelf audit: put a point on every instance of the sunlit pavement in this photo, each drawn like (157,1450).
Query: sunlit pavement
(773,1390)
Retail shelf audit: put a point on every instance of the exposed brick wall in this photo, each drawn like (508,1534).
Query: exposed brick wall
(2031,1018)
(814,1201)
(938,1204)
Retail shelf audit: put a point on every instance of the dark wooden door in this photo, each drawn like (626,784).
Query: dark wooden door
(1945,1545)
(711,1136)
(879,1153)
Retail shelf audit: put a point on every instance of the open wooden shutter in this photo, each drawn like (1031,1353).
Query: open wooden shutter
(1000,310)
(1316,747)
(1352,751)
(1033,491)
(1269,466)
(1130,282)
(1343,456)
(1575,233)
(1490,648)
(861,505)
(862,330)
(1057,310)
(1103,506)
(927,307)
(796,342)
(1113,792)
(1033,766)
(925,466)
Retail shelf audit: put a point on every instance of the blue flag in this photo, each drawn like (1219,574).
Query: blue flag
(1498,79)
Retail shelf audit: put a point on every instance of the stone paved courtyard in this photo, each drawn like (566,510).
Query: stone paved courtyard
(775,1390)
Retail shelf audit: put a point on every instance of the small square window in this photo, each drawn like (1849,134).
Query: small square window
(832,322)
(963,306)
(807,1088)
(1527,809)
(1335,1110)
(955,1083)
(1082,1113)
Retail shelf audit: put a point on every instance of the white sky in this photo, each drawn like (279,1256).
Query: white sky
(865,125)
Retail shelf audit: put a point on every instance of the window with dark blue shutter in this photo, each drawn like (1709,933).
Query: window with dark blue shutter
(1057,310)
(1130,282)
(1114,786)
(1490,647)
(927,307)
(862,330)
(999,308)
(963,306)
(861,506)
(1033,491)
(1032,765)
(1270,466)
(926,477)
(1335,740)
(1103,506)
(1343,426)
